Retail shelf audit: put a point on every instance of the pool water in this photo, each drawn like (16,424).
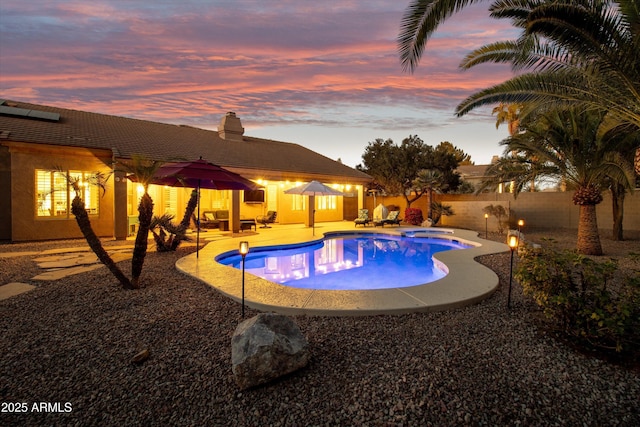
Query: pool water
(351,262)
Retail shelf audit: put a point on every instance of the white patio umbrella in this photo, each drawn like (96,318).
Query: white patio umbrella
(312,189)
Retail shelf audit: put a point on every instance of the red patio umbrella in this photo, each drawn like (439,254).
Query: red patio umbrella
(200,174)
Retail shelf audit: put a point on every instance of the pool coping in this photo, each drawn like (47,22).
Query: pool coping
(468,282)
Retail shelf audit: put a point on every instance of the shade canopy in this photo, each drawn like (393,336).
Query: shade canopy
(201,174)
(314,188)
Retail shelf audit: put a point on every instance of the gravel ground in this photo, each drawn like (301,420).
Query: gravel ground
(72,341)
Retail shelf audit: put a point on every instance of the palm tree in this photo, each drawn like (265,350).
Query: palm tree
(143,170)
(590,57)
(419,22)
(427,181)
(580,146)
(509,114)
(82,218)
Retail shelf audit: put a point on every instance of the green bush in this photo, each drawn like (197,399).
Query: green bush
(438,210)
(577,294)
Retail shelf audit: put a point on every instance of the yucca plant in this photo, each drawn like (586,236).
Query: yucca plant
(169,235)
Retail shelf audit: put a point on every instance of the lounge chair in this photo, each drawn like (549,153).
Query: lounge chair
(391,219)
(269,218)
(363,217)
(209,220)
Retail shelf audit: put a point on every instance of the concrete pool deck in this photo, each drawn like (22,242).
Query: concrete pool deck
(468,282)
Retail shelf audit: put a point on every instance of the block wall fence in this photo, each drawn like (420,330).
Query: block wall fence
(538,210)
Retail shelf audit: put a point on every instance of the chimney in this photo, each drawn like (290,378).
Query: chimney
(230,127)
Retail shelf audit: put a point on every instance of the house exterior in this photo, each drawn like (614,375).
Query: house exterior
(476,174)
(39,142)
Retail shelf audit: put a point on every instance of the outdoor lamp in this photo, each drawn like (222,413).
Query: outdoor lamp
(486,222)
(513,244)
(520,225)
(244,250)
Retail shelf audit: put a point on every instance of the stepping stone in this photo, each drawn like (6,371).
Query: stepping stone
(14,288)
(69,261)
(64,272)
(16,254)
(64,250)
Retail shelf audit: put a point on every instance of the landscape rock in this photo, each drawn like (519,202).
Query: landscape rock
(266,347)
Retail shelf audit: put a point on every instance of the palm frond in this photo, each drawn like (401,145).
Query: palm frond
(419,22)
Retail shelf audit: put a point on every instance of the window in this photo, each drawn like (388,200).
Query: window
(327,202)
(54,194)
(298,202)
(170,198)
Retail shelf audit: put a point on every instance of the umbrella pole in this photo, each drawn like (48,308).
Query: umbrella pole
(198,225)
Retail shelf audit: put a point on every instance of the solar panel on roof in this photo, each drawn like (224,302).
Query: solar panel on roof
(33,114)
(54,117)
(13,111)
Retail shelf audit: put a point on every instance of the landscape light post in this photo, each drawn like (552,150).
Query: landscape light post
(244,250)
(513,245)
(520,225)
(486,225)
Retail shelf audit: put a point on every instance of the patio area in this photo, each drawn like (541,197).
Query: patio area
(468,282)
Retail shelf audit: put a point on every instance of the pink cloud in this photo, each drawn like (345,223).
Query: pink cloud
(291,62)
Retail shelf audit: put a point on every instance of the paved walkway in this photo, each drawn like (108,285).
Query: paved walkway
(59,263)
(468,282)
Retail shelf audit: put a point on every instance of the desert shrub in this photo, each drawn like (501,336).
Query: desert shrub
(167,234)
(413,216)
(580,297)
(501,214)
(438,210)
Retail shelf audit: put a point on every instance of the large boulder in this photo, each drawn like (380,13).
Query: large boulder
(266,347)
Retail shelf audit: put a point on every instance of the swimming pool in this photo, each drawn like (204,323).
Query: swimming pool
(349,262)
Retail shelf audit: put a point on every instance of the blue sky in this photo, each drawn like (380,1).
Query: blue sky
(325,75)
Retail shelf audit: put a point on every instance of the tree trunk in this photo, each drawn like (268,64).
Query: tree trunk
(617,201)
(588,237)
(82,218)
(429,201)
(186,219)
(145,210)
(191,207)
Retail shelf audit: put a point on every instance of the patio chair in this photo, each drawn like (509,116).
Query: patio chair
(269,218)
(391,219)
(208,220)
(363,217)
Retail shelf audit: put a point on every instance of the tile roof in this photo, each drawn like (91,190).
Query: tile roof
(126,137)
(470,171)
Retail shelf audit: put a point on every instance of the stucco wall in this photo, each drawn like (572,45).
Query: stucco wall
(540,209)
(25,226)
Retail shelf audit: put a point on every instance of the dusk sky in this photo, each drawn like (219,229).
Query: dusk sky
(323,74)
